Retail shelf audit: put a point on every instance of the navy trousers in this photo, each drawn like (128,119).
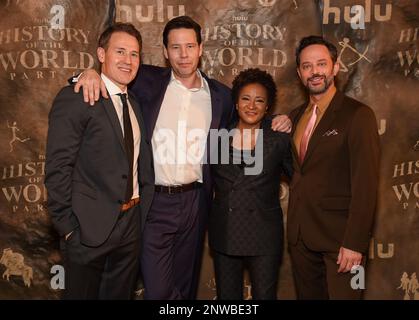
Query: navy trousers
(171,245)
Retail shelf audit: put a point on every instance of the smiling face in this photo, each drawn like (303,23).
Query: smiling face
(252,105)
(317,70)
(183,52)
(121,59)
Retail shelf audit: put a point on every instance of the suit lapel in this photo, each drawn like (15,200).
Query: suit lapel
(216,106)
(216,112)
(295,120)
(136,109)
(236,169)
(113,118)
(156,106)
(324,124)
(267,141)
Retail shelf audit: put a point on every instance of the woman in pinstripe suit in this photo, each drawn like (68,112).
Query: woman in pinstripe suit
(245,223)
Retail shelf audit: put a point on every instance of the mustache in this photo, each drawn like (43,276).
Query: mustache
(317,75)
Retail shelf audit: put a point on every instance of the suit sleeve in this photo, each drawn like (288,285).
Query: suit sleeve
(364,150)
(287,162)
(66,125)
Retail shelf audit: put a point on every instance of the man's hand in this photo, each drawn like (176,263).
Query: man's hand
(91,84)
(347,259)
(281,123)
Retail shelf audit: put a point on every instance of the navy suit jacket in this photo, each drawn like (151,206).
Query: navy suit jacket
(150,86)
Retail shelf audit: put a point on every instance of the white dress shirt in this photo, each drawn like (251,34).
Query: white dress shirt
(113,90)
(180,135)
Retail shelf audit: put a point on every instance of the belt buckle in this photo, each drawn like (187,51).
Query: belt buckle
(172,189)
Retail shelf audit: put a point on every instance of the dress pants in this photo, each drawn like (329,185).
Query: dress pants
(316,276)
(229,272)
(108,271)
(170,245)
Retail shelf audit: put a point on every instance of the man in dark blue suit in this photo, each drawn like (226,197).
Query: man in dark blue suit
(180,100)
(180,105)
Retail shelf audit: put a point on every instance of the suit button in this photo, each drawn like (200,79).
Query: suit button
(124,176)
(230,210)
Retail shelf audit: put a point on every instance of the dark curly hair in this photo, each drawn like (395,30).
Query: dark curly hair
(254,75)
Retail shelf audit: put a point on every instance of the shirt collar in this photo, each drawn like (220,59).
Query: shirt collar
(204,83)
(324,102)
(112,88)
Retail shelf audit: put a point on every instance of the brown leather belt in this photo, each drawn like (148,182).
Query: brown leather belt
(128,205)
(179,188)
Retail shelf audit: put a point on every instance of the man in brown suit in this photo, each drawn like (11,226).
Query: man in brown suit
(334,189)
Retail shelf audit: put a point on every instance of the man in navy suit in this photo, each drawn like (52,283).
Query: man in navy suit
(180,97)
(180,105)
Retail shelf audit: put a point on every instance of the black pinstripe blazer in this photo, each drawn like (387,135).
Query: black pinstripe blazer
(246,216)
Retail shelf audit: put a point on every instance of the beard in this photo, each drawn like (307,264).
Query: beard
(319,89)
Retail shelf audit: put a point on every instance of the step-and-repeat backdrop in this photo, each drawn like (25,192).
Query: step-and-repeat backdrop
(43,43)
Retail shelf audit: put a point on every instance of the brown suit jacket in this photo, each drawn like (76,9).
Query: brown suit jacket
(333,192)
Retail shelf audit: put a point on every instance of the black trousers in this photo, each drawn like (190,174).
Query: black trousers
(316,276)
(106,272)
(229,272)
